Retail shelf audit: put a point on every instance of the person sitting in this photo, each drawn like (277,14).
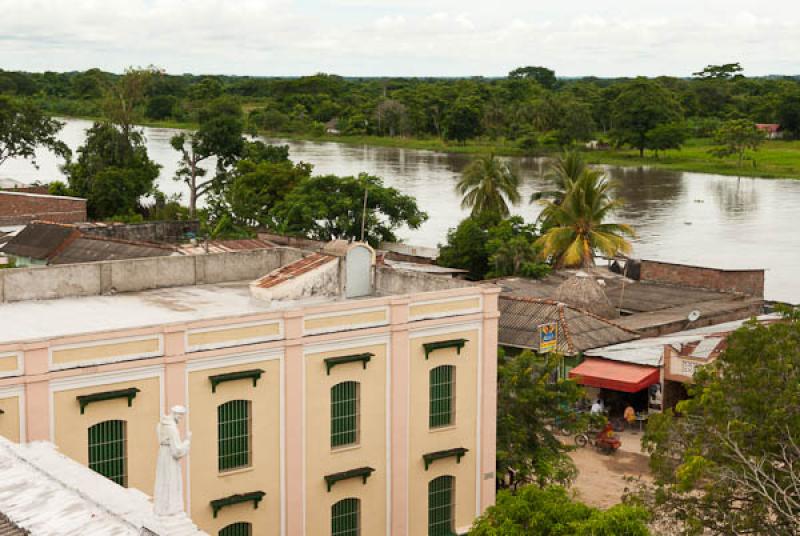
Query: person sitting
(606,439)
(630,415)
(597,407)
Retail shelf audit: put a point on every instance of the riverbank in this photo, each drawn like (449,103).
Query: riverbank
(775,159)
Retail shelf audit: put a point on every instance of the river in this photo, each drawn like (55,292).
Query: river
(693,218)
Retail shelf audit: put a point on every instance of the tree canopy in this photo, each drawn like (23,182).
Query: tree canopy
(488,186)
(329,207)
(726,462)
(642,106)
(549,511)
(24,127)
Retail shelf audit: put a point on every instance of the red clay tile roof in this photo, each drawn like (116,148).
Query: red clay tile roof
(294,269)
(768,127)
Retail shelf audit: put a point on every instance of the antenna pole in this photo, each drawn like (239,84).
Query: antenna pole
(364,212)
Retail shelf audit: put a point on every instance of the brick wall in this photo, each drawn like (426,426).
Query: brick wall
(155,231)
(21,208)
(750,282)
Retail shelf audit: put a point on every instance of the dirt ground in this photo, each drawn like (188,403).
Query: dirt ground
(602,479)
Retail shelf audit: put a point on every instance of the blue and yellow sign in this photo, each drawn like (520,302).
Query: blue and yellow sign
(548,337)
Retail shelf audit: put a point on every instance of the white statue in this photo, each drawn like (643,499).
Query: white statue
(168,496)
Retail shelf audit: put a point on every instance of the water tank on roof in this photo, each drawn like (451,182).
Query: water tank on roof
(358,270)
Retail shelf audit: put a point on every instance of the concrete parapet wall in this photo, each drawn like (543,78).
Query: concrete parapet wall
(749,282)
(155,231)
(391,281)
(96,278)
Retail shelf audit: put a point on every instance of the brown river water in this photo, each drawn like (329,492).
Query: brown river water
(694,218)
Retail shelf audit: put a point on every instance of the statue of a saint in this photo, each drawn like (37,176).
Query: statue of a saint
(168,496)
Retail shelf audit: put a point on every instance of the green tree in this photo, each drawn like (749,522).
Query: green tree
(550,511)
(726,462)
(125,97)
(667,136)
(511,248)
(488,186)
(112,171)
(463,119)
(255,187)
(562,172)
(161,107)
(542,75)
(736,137)
(466,248)
(329,207)
(576,225)
(720,72)
(24,127)
(789,112)
(641,106)
(527,401)
(219,135)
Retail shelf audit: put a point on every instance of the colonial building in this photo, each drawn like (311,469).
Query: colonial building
(325,395)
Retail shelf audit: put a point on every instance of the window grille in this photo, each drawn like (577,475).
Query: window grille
(442,396)
(345,407)
(237,529)
(440,506)
(346,518)
(233,427)
(108,450)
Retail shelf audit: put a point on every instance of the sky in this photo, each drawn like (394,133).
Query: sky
(401,37)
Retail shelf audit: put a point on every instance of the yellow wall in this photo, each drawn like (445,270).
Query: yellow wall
(71,428)
(423,440)
(9,420)
(230,336)
(321,460)
(8,362)
(445,307)
(106,351)
(207,483)
(345,321)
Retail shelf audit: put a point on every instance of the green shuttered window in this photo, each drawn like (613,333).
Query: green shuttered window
(345,518)
(233,427)
(345,408)
(440,506)
(442,395)
(108,450)
(237,529)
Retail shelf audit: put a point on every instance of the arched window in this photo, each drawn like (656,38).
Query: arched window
(441,506)
(346,518)
(442,396)
(237,529)
(233,432)
(108,450)
(345,407)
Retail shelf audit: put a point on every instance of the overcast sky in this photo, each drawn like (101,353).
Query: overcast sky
(401,37)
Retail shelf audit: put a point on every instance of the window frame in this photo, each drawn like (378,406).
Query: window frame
(436,525)
(347,530)
(436,417)
(238,528)
(105,465)
(343,433)
(241,458)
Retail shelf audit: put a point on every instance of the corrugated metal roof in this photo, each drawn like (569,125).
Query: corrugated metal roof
(9,528)
(40,240)
(292,270)
(95,248)
(578,331)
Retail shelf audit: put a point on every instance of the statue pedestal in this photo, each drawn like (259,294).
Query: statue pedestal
(175,525)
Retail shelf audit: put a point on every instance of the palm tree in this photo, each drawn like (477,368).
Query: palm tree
(564,170)
(488,186)
(577,229)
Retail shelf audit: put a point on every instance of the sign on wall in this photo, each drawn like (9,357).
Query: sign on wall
(548,337)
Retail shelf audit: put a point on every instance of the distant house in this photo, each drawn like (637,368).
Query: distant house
(771,130)
(42,243)
(19,208)
(332,127)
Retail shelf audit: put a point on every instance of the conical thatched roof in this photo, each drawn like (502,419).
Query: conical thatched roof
(583,292)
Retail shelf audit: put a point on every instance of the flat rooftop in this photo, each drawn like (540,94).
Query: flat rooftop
(44,319)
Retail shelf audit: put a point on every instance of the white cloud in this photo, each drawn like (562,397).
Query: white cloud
(400,37)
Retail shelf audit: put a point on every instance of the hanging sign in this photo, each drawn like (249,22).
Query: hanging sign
(548,337)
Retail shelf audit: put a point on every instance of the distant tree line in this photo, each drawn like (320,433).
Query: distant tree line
(530,107)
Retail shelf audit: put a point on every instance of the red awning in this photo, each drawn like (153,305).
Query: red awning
(615,375)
